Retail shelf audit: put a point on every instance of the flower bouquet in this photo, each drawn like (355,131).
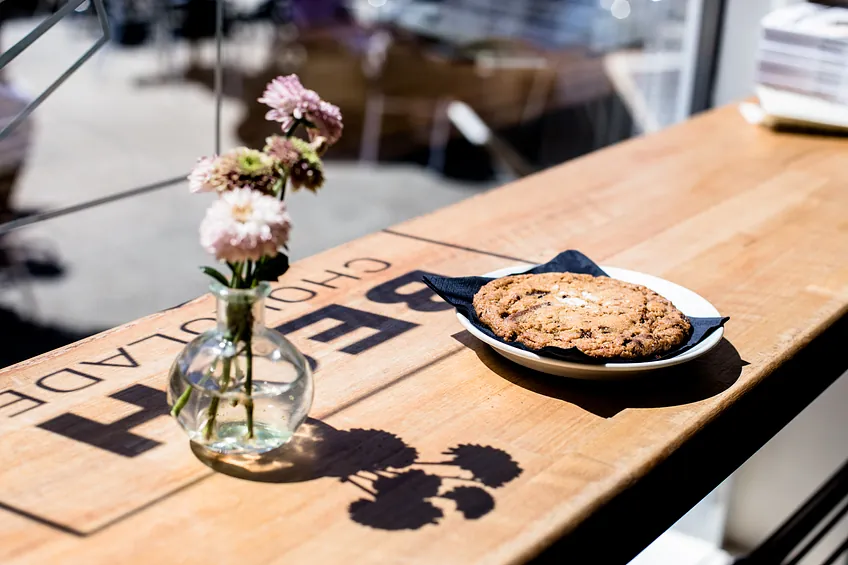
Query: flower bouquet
(242,387)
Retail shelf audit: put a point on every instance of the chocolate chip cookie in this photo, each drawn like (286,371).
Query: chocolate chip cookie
(600,316)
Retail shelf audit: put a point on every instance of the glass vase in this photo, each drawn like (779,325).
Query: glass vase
(240,388)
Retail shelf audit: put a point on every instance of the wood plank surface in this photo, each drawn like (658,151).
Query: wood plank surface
(424,446)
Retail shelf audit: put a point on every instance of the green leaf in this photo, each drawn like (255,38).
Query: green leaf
(215,275)
(270,269)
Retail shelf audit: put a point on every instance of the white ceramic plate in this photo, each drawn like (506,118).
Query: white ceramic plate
(687,301)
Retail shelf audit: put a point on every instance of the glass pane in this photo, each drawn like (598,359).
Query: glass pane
(441,100)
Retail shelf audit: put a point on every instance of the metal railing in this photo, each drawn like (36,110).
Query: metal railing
(10,54)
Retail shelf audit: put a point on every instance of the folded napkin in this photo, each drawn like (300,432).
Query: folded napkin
(460,291)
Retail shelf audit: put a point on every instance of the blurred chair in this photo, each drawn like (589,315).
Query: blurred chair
(463,73)
(394,87)
(478,133)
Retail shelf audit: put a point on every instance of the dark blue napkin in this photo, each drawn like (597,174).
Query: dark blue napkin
(460,291)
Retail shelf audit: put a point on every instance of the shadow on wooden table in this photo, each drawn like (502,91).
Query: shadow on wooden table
(399,492)
(690,382)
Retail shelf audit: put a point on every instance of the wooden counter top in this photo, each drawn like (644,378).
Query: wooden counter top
(426,447)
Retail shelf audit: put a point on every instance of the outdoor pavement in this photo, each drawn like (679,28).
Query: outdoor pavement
(115,125)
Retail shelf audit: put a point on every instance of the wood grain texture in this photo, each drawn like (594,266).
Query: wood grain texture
(752,220)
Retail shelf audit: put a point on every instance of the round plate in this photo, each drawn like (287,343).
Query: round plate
(690,303)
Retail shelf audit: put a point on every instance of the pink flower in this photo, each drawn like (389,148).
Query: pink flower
(285,151)
(290,101)
(199,180)
(245,224)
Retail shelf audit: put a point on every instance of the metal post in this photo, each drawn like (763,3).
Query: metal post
(219,71)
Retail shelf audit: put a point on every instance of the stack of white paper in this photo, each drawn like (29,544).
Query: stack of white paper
(802,65)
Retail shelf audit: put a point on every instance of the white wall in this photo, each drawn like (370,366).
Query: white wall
(735,77)
(784,473)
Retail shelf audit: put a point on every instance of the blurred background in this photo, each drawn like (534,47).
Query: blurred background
(107,104)
(442,99)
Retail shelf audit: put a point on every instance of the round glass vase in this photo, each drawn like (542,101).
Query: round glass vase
(240,388)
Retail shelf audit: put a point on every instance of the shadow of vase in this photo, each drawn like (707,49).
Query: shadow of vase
(316,450)
(398,493)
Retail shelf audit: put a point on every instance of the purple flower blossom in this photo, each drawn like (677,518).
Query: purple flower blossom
(290,102)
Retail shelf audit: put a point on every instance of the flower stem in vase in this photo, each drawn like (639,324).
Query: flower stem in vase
(245,321)
(186,395)
(248,386)
(213,405)
(181,402)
